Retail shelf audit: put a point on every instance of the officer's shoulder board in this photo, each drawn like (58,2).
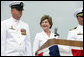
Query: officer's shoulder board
(72,28)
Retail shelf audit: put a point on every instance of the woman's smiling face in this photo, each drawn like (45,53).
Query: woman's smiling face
(45,24)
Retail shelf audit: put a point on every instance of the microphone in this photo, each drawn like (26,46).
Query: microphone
(55,32)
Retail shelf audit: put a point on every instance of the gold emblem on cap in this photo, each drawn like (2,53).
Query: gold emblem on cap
(21,4)
(81,14)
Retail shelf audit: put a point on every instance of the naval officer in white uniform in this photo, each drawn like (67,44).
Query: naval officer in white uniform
(15,35)
(77,32)
(42,37)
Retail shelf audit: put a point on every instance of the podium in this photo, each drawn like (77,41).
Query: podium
(61,42)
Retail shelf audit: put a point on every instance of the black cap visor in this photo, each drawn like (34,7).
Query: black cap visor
(18,7)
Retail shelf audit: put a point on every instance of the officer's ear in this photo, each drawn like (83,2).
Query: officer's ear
(12,10)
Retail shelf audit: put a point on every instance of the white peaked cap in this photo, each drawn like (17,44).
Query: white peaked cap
(79,10)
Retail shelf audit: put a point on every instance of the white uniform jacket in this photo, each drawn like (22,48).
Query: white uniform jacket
(76,34)
(15,38)
(40,39)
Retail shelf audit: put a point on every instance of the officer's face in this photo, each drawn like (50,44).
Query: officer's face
(16,14)
(45,25)
(80,20)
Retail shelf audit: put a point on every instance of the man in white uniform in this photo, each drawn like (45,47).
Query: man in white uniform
(77,32)
(15,35)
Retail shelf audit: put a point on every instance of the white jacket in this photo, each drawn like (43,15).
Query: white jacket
(13,43)
(40,39)
(76,34)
